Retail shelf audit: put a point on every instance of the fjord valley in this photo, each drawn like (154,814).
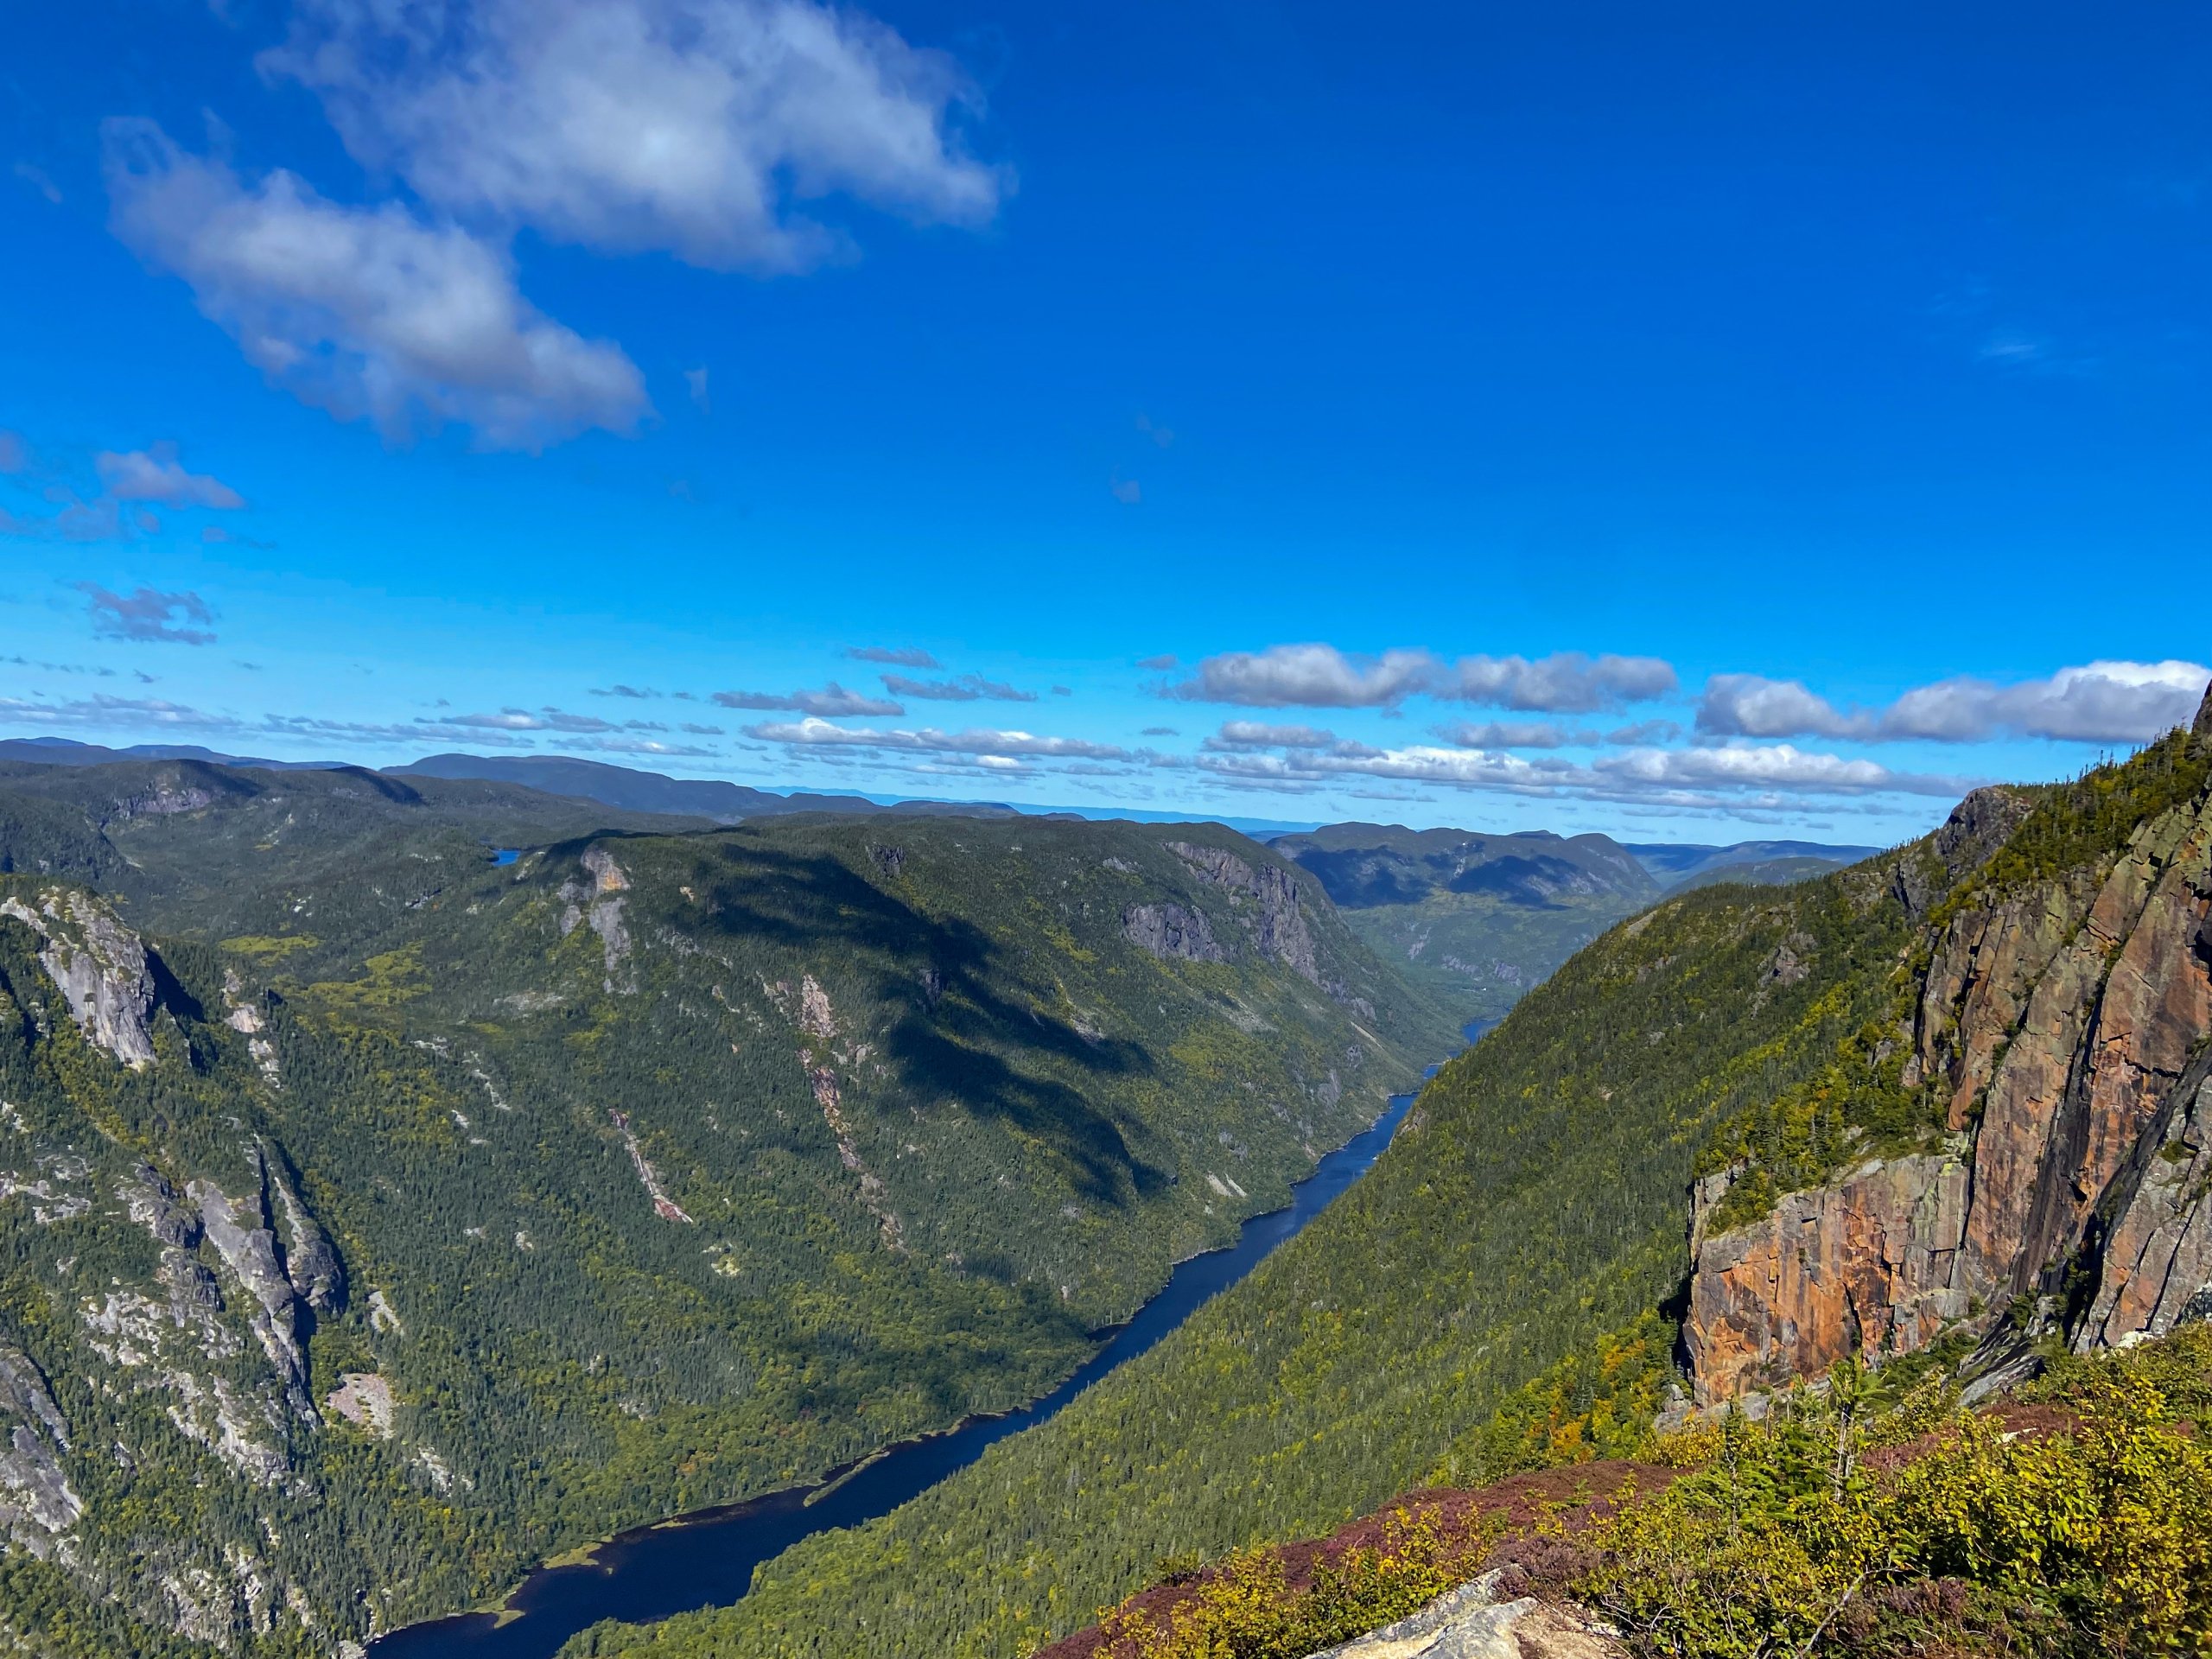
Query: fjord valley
(1942,1115)
(386,1214)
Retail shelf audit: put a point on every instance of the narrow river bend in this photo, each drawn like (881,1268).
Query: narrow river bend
(706,1560)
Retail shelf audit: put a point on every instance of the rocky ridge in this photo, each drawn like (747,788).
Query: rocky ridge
(2062,1025)
(97,964)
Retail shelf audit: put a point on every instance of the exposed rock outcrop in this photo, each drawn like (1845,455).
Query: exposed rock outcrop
(239,1229)
(311,1261)
(596,903)
(36,1501)
(2064,1025)
(1977,826)
(100,967)
(2156,1255)
(1469,1622)
(1172,932)
(1870,1265)
(1279,929)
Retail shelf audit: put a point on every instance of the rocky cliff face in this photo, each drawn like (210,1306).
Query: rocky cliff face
(100,967)
(2063,1025)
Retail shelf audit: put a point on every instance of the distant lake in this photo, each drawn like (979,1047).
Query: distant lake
(707,1560)
(506,854)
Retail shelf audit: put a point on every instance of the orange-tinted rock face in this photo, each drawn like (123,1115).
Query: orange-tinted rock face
(1868,1266)
(2063,1024)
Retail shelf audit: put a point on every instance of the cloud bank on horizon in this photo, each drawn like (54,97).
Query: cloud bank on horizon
(1726,763)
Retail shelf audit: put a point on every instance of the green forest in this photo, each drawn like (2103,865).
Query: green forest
(651,1168)
(1531,1216)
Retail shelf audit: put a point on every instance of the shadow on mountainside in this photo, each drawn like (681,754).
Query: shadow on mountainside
(951,1039)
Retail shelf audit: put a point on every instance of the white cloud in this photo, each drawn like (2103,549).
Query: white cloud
(313,728)
(1321,677)
(1767,766)
(157,475)
(1696,779)
(1307,677)
(1565,683)
(820,733)
(1515,734)
(365,311)
(15,454)
(832,700)
(2097,702)
(522,719)
(112,711)
(1751,705)
(643,746)
(687,126)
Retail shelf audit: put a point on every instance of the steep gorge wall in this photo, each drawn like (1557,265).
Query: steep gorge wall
(2065,1026)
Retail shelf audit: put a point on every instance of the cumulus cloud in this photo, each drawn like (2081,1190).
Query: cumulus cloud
(691,127)
(1162,665)
(2100,702)
(1159,731)
(1127,490)
(832,700)
(365,311)
(1749,705)
(156,475)
(965,688)
(1776,766)
(898,657)
(15,454)
(1565,683)
(820,733)
(695,381)
(146,615)
(1307,677)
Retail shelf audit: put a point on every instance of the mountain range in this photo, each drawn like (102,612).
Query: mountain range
(1478,919)
(408,1179)
(1947,1111)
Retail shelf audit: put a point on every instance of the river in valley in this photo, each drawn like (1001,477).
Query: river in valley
(706,1560)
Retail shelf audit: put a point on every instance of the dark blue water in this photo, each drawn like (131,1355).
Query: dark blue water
(707,1560)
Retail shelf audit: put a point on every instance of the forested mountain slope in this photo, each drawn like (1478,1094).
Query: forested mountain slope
(1537,1205)
(1477,920)
(381,1218)
(631,788)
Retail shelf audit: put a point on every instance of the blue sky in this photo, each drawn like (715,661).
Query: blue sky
(1735,422)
